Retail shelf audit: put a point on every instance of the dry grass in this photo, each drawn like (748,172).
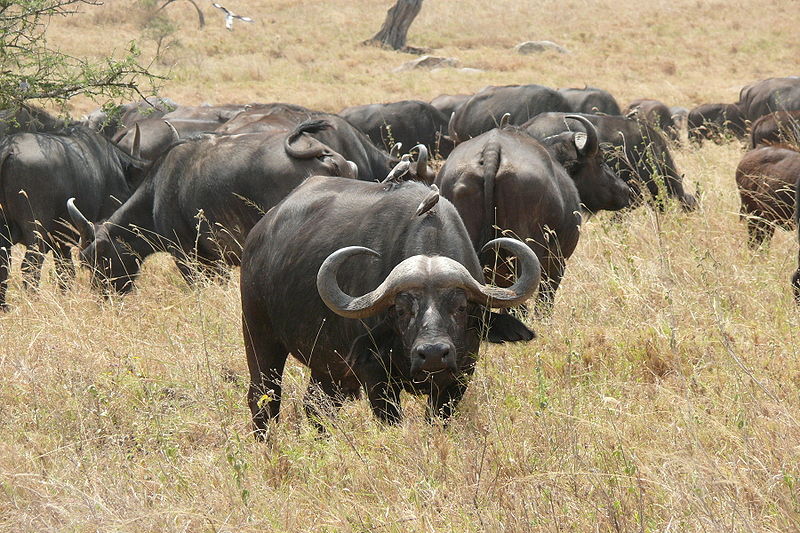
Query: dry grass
(661,395)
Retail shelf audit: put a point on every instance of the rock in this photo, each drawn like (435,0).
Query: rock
(465,70)
(534,47)
(428,62)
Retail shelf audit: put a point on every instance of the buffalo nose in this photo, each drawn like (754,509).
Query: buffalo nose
(432,357)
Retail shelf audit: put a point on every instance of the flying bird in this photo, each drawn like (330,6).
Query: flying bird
(429,201)
(230,15)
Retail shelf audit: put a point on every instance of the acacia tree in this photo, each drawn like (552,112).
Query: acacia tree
(394,31)
(31,70)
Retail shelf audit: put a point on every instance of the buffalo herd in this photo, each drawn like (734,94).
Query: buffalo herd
(357,257)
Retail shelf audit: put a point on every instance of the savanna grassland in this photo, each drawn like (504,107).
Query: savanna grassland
(662,395)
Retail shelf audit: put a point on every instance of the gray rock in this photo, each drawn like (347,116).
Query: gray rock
(535,47)
(428,62)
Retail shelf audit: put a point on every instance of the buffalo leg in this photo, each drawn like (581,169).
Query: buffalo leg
(5,270)
(760,232)
(65,269)
(442,402)
(198,268)
(796,285)
(32,266)
(324,397)
(266,359)
(384,398)
(547,293)
(372,371)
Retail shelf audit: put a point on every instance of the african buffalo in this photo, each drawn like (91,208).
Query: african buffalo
(215,113)
(483,111)
(199,201)
(714,122)
(449,103)
(409,122)
(27,118)
(342,137)
(420,320)
(634,149)
(796,275)
(266,117)
(767,178)
(656,114)
(780,127)
(509,180)
(770,95)
(38,173)
(158,134)
(591,100)
(109,124)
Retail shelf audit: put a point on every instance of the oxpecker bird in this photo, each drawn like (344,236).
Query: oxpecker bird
(429,201)
(400,169)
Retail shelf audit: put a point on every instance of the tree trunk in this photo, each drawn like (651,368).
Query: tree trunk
(395,28)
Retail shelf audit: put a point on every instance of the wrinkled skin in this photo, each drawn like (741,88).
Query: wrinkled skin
(232,179)
(766,178)
(282,312)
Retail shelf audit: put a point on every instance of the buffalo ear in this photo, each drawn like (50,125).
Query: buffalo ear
(580,139)
(505,328)
(562,148)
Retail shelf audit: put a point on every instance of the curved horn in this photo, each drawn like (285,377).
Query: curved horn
(439,271)
(315,147)
(422,163)
(172,128)
(592,142)
(450,129)
(530,274)
(85,228)
(136,151)
(504,120)
(353,169)
(394,151)
(333,296)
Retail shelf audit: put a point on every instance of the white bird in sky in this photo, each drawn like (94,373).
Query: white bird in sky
(230,15)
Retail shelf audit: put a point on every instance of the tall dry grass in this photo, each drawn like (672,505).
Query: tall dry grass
(662,395)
